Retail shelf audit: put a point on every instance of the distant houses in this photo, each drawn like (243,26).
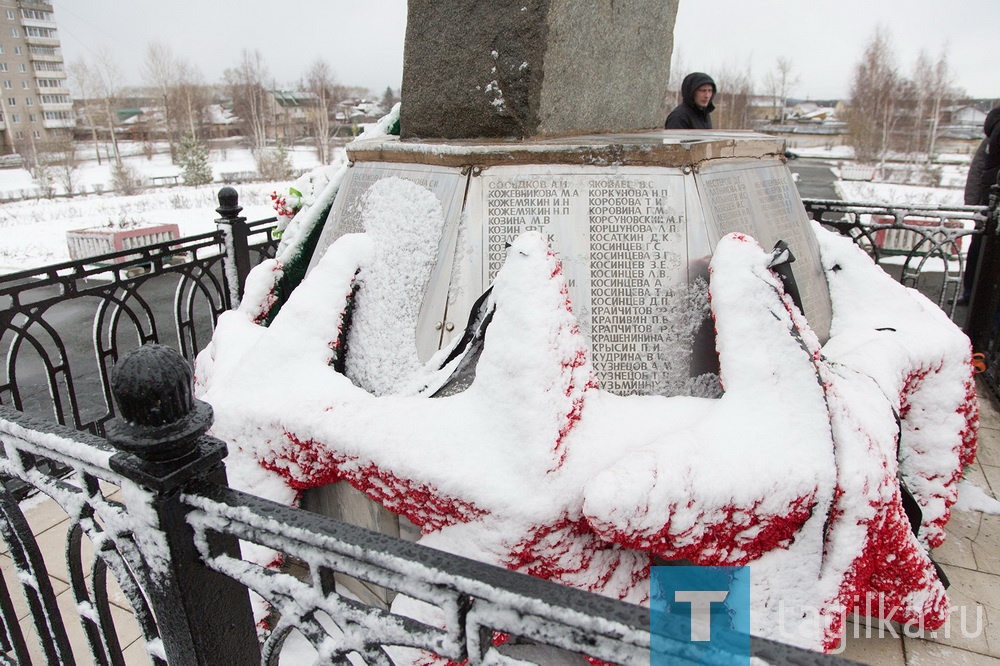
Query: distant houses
(963,122)
(290,115)
(823,124)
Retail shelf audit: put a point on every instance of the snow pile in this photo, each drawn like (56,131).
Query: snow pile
(303,194)
(973,498)
(387,125)
(919,361)
(712,492)
(533,467)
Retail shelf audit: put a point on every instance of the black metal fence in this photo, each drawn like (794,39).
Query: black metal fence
(151,506)
(920,245)
(63,326)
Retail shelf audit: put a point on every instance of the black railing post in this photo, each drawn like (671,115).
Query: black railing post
(203,617)
(237,250)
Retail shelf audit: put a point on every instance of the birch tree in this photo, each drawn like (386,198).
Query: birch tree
(191,99)
(779,83)
(874,90)
(940,93)
(320,82)
(733,99)
(160,71)
(923,82)
(246,84)
(107,81)
(82,80)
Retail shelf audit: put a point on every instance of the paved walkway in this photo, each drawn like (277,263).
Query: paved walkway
(970,558)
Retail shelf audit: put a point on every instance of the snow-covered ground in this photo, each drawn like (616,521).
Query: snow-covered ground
(950,171)
(895,193)
(33,231)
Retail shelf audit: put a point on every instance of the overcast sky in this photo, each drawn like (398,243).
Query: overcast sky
(363,41)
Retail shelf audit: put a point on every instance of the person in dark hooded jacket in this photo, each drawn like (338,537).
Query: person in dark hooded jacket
(982,176)
(991,165)
(697,92)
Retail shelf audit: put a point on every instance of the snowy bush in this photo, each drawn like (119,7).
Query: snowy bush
(126,179)
(274,163)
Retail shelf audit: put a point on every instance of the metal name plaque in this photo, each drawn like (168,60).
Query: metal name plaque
(635,263)
(346,218)
(762,201)
(635,243)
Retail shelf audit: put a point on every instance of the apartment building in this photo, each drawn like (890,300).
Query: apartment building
(35,103)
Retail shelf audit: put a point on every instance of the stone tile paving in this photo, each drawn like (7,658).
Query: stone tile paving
(49,524)
(970,558)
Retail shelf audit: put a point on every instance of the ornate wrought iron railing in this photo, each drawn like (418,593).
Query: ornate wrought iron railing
(63,326)
(923,246)
(151,507)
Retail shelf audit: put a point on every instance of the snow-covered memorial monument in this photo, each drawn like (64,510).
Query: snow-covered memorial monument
(554,339)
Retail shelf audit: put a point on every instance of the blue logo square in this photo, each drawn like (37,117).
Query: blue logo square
(699,614)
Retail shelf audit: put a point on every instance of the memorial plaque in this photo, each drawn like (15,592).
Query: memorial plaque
(345,218)
(637,289)
(762,201)
(635,234)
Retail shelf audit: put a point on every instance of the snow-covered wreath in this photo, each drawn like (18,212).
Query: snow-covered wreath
(794,470)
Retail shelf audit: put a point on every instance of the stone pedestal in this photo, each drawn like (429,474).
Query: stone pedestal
(526,68)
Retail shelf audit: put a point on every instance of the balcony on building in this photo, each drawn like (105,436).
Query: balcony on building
(45,54)
(58,123)
(49,74)
(59,106)
(38,23)
(61,90)
(42,41)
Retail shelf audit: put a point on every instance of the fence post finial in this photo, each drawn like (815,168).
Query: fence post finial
(160,420)
(159,415)
(236,256)
(229,203)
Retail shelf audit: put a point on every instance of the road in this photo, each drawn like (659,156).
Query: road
(815,178)
(73,320)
